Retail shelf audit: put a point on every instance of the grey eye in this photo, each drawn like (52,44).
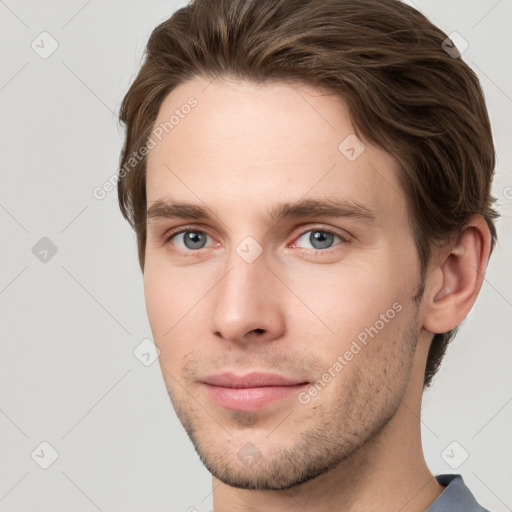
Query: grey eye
(318,238)
(190,239)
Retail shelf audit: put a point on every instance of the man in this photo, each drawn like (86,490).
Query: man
(310,187)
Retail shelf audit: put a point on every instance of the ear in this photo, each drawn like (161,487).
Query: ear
(452,286)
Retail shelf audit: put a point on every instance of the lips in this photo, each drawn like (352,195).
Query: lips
(250,392)
(251,380)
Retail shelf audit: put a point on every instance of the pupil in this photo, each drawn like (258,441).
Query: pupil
(321,239)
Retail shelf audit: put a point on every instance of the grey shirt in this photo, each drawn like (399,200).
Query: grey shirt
(456,496)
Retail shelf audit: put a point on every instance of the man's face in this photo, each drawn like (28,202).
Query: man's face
(323,300)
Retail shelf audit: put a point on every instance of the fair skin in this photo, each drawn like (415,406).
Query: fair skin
(300,304)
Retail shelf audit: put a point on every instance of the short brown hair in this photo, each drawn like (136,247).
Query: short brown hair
(404,92)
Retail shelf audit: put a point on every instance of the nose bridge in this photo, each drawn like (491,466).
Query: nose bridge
(246,284)
(247,265)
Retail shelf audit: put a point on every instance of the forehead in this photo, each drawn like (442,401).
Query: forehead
(248,143)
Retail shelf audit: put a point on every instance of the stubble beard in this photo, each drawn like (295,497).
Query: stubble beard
(340,429)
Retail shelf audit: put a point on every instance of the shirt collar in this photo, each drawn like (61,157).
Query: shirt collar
(456,496)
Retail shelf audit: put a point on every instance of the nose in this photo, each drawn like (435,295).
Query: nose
(247,303)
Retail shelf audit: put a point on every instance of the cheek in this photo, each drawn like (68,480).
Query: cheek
(340,303)
(169,292)
(159,300)
(173,306)
(167,301)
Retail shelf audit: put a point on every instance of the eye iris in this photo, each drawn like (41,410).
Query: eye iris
(194,239)
(321,239)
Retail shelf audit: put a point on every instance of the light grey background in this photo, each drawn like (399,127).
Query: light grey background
(70,325)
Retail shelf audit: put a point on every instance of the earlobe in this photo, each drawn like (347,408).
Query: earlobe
(453,286)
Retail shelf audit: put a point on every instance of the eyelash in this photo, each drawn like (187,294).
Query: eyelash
(344,240)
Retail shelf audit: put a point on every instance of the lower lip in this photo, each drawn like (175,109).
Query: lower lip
(250,399)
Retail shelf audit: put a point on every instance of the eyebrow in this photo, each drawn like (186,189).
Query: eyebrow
(325,207)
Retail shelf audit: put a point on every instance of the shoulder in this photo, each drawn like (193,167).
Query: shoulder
(456,496)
